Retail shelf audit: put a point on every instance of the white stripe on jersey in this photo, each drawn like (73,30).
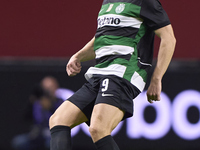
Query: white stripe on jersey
(114,69)
(108,20)
(114,50)
(147,64)
(137,80)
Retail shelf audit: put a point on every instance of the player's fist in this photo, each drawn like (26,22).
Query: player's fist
(154,90)
(73,67)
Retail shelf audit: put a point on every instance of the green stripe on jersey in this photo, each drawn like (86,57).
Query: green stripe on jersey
(130,10)
(108,40)
(132,67)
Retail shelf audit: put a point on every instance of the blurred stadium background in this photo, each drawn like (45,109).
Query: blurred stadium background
(37,37)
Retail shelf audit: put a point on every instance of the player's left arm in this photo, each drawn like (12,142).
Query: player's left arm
(165,53)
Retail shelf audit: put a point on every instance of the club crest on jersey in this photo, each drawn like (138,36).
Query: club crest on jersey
(120,8)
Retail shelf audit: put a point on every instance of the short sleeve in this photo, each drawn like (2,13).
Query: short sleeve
(154,15)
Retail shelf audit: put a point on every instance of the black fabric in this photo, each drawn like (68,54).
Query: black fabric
(90,94)
(84,99)
(146,51)
(129,32)
(111,58)
(60,138)
(153,14)
(106,143)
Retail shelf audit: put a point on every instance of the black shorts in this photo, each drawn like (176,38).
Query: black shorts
(110,89)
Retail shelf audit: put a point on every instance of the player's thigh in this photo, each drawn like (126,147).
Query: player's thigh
(106,117)
(67,114)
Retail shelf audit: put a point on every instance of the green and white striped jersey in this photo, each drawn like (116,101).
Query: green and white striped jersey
(124,39)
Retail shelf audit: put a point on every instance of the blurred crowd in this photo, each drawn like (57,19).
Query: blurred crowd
(45,98)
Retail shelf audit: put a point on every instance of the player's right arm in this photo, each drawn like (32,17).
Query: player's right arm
(85,54)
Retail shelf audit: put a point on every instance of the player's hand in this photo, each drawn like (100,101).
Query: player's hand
(154,90)
(73,67)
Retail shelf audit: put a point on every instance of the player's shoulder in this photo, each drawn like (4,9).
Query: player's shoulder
(151,2)
(153,5)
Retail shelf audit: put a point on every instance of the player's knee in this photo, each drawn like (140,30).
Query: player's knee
(55,120)
(58,119)
(52,121)
(96,131)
